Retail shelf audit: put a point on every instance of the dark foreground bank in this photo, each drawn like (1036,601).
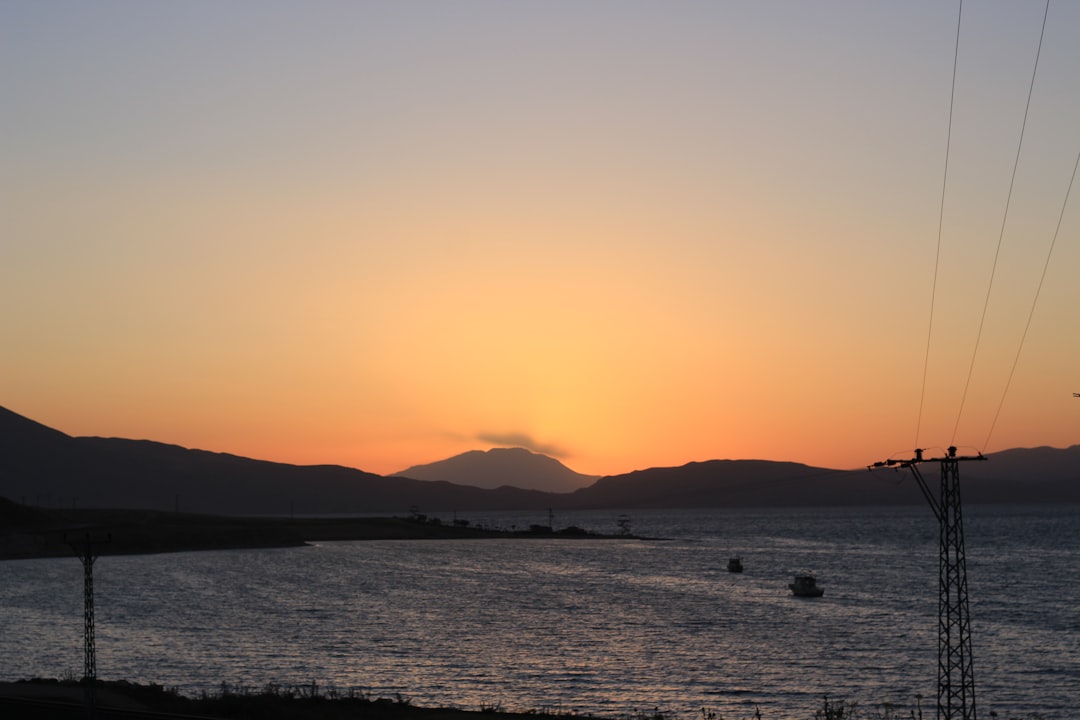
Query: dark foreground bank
(47,699)
(67,700)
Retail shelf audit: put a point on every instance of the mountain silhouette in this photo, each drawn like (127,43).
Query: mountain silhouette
(1025,476)
(43,467)
(516,467)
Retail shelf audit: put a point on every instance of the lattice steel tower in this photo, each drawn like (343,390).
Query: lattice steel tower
(84,549)
(956,679)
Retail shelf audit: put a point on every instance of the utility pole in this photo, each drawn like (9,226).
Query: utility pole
(85,550)
(956,679)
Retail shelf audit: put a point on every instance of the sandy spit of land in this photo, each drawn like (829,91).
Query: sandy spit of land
(35,533)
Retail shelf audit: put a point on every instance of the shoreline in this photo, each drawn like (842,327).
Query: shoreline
(51,698)
(32,533)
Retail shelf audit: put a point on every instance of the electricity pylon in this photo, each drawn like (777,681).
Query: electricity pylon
(84,550)
(956,679)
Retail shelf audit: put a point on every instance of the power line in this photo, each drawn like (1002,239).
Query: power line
(1034,300)
(941,220)
(1005,216)
(956,681)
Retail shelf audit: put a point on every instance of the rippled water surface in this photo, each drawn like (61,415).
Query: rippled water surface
(609,627)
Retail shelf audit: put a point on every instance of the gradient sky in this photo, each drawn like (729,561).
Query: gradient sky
(624,234)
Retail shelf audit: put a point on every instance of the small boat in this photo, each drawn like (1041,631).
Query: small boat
(734,565)
(806,586)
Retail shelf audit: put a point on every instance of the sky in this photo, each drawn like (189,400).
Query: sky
(623,234)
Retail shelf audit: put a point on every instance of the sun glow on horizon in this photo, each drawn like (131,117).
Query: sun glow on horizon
(374,237)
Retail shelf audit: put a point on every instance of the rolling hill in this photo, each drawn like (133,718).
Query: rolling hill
(44,467)
(40,466)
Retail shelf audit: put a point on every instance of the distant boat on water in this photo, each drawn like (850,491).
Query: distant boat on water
(734,565)
(805,586)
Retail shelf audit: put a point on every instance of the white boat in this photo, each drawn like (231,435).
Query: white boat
(806,586)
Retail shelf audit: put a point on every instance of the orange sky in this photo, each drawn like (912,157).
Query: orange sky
(623,235)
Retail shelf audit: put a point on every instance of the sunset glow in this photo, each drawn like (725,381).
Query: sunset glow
(622,234)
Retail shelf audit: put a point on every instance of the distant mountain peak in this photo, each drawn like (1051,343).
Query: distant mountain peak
(46,468)
(497,467)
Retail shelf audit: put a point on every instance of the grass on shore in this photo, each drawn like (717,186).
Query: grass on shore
(314,702)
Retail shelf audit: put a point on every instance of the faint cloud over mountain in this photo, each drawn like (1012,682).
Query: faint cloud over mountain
(515,467)
(523,440)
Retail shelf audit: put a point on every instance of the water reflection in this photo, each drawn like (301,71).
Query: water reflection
(605,627)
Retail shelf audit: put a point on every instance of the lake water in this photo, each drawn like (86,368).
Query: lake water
(611,627)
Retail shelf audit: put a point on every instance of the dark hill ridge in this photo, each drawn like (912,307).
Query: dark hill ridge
(40,466)
(44,467)
(724,483)
(1040,476)
(498,467)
